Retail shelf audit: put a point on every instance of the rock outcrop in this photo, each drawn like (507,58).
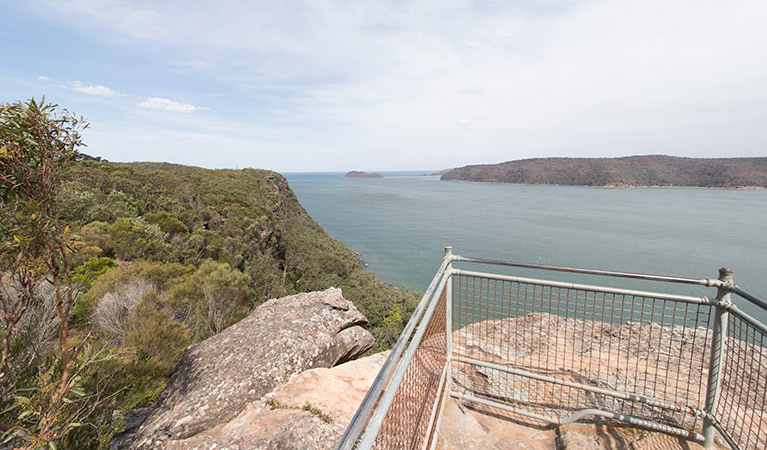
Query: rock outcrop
(216,378)
(665,362)
(311,411)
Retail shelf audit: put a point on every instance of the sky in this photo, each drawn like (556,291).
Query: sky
(394,85)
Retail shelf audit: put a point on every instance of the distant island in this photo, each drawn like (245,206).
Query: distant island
(359,174)
(631,171)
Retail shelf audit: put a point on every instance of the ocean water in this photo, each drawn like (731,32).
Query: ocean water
(401,224)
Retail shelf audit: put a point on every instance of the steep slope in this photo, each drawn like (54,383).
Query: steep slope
(170,255)
(248,219)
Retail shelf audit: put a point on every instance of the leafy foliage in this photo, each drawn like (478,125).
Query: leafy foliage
(35,145)
(214,244)
(247,219)
(161,256)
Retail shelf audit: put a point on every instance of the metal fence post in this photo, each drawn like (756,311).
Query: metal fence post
(449,316)
(718,342)
(445,393)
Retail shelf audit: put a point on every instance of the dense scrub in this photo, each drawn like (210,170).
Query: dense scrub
(248,222)
(652,170)
(167,255)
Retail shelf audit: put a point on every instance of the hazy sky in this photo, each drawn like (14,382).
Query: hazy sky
(394,85)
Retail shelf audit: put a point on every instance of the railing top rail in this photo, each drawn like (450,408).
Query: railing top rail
(751,298)
(608,273)
(709,282)
(589,287)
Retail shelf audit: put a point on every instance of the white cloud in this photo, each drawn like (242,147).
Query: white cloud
(425,83)
(169,105)
(43,78)
(90,89)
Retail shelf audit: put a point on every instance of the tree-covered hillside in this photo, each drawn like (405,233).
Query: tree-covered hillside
(168,255)
(110,270)
(248,222)
(651,170)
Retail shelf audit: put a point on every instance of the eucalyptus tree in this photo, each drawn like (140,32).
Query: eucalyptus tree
(36,391)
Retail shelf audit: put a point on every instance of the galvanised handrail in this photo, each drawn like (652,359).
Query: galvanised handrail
(606,273)
(722,307)
(741,293)
(376,421)
(365,411)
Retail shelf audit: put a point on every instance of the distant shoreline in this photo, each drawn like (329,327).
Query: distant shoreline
(425,175)
(611,186)
(642,171)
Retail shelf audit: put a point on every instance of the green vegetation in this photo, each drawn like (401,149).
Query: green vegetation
(632,171)
(40,368)
(308,407)
(238,235)
(149,258)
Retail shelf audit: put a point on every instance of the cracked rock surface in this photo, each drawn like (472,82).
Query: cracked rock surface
(215,379)
(311,411)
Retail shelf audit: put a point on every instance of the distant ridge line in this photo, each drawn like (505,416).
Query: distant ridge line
(628,171)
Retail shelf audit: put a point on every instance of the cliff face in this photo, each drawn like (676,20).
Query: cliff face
(248,219)
(652,170)
(169,255)
(217,378)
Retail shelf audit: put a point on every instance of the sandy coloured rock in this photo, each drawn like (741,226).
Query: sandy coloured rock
(216,378)
(311,411)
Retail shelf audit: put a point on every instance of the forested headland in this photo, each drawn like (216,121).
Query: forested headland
(631,171)
(244,226)
(110,270)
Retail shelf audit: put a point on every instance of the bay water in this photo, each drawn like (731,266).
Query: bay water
(400,225)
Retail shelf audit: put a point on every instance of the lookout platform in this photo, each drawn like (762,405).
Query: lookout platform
(507,360)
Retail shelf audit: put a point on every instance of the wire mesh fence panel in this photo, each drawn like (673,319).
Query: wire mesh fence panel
(518,343)
(406,425)
(543,352)
(432,432)
(742,407)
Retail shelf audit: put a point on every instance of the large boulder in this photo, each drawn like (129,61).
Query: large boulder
(311,411)
(216,378)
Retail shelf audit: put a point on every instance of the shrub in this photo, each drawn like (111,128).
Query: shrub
(114,308)
(133,238)
(155,334)
(166,221)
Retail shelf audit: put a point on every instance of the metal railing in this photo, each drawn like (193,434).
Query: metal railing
(555,352)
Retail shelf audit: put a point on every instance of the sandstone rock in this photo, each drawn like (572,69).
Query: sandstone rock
(132,421)
(603,435)
(468,428)
(216,378)
(260,427)
(337,392)
(279,421)
(577,441)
